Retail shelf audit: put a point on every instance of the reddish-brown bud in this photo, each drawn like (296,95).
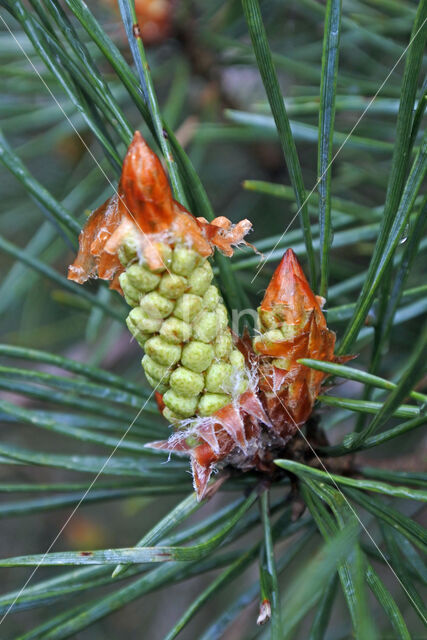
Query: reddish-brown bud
(292,326)
(143,208)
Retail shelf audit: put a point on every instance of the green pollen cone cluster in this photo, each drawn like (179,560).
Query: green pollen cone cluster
(179,318)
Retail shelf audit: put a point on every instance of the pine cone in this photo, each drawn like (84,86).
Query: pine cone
(156,253)
(230,403)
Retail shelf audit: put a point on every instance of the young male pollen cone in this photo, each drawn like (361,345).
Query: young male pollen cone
(228,404)
(156,254)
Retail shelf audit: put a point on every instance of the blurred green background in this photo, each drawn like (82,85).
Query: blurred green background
(212,96)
